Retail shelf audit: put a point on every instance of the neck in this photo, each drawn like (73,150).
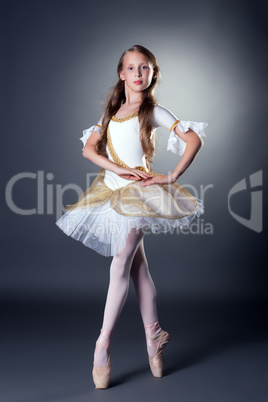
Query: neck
(133,97)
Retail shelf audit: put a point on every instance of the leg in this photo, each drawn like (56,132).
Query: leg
(144,286)
(156,338)
(146,295)
(117,294)
(119,279)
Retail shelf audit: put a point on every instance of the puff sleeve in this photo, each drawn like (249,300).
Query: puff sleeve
(87,133)
(164,118)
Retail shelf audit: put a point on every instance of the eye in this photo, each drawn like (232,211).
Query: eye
(144,67)
(130,68)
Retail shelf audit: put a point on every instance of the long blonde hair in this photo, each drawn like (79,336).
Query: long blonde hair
(117,97)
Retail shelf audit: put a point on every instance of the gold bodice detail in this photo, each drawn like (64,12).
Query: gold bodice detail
(122,119)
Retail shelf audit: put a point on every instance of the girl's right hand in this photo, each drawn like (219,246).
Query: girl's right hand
(131,173)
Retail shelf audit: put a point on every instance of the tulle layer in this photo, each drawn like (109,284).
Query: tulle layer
(102,218)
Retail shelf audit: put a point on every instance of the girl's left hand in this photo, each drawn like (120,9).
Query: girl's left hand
(159,179)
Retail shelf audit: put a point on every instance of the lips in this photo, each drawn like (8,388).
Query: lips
(138,82)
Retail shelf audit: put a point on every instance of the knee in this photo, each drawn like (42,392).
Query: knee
(120,269)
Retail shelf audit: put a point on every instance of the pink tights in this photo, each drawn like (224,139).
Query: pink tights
(131,261)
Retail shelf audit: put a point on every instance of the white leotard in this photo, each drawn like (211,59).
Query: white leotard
(125,133)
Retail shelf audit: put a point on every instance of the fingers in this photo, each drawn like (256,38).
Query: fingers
(143,174)
(153,180)
(147,182)
(136,174)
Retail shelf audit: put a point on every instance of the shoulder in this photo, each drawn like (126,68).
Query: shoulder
(163,117)
(160,110)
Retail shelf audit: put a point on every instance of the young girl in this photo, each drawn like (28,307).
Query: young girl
(128,197)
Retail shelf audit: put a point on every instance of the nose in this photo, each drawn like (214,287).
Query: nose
(138,73)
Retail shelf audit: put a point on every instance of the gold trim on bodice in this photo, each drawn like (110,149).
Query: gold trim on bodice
(164,201)
(116,158)
(121,119)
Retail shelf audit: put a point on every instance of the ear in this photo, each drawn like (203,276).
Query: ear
(121,75)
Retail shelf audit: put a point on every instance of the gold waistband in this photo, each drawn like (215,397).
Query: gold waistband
(171,201)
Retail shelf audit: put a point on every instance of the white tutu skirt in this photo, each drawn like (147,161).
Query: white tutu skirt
(102,218)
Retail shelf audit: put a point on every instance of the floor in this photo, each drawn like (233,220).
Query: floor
(217,352)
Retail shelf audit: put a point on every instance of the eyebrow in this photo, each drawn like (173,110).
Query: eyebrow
(139,64)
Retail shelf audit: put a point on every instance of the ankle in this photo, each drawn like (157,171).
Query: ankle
(152,333)
(102,349)
(104,339)
(152,330)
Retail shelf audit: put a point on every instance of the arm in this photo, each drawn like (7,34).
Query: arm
(185,139)
(99,160)
(193,145)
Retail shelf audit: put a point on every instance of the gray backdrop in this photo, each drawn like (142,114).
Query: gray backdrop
(58,61)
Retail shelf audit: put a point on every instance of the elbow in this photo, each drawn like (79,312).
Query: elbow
(201,144)
(85,153)
(198,142)
(88,151)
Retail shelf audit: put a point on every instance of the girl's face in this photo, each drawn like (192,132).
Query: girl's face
(137,71)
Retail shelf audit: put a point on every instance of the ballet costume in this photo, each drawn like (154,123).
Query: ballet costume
(105,218)
(106,212)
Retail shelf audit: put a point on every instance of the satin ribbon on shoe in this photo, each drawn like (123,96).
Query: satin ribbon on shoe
(156,338)
(102,374)
(156,362)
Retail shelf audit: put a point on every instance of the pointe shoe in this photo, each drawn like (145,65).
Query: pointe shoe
(102,375)
(156,362)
